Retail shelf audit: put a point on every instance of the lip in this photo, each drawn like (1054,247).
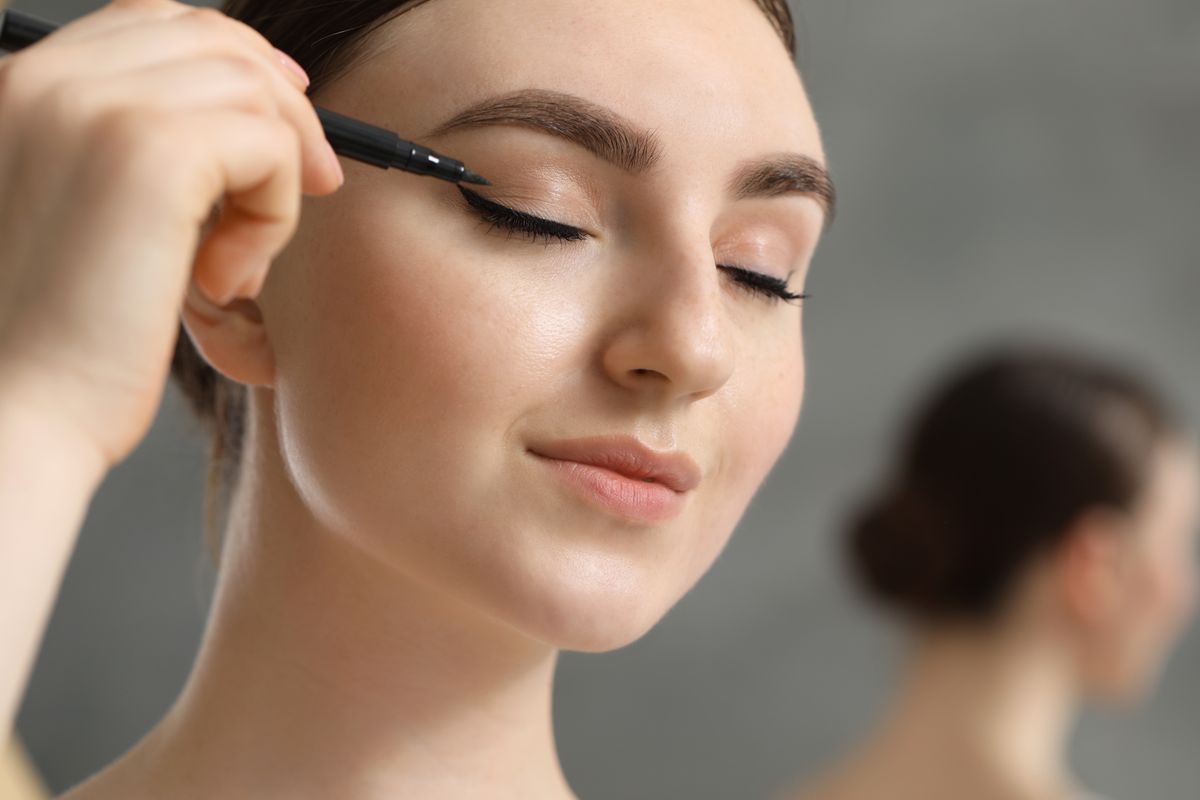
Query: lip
(623,476)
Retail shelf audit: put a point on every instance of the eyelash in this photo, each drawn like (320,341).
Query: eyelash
(537,229)
(758,283)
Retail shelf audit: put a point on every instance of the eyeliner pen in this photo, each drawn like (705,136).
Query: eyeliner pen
(349,137)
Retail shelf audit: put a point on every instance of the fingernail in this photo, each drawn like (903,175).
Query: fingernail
(337,164)
(295,68)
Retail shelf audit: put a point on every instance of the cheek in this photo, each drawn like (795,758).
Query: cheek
(1164,592)
(758,415)
(1175,589)
(1170,584)
(765,399)
(418,367)
(763,413)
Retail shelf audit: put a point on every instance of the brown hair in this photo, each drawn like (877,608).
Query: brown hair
(1007,452)
(327,39)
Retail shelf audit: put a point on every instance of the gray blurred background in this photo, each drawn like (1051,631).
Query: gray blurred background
(1016,166)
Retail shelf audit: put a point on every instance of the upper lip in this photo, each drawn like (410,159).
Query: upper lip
(626,456)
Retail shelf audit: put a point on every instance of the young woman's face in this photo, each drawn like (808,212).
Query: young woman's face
(469,394)
(1156,579)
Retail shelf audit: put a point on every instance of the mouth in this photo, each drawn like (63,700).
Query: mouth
(623,476)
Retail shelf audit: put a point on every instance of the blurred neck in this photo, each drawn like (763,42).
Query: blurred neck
(325,674)
(989,707)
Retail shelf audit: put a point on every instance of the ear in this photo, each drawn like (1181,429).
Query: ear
(1089,564)
(232,337)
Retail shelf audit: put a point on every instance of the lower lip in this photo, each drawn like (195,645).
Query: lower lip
(633,499)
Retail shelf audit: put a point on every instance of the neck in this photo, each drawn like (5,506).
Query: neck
(325,674)
(989,708)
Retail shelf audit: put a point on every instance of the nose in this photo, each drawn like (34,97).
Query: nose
(671,337)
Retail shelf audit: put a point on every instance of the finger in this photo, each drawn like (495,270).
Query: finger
(256,159)
(212,34)
(193,84)
(114,16)
(135,41)
(192,31)
(209,84)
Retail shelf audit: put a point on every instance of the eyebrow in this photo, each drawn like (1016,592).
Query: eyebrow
(788,173)
(611,137)
(599,130)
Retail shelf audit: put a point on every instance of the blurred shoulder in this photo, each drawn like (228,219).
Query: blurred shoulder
(112,783)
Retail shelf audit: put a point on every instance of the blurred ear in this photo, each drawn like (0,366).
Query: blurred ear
(231,337)
(1089,565)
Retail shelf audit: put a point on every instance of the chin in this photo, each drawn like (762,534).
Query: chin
(598,633)
(587,606)
(1126,686)
(552,570)
(1121,698)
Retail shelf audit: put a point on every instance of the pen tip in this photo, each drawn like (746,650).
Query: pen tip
(471,177)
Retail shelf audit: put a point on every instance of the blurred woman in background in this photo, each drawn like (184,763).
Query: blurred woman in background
(1037,537)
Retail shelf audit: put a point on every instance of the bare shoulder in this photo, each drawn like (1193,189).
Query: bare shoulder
(98,789)
(116,782)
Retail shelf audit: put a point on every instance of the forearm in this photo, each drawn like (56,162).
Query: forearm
(46,484)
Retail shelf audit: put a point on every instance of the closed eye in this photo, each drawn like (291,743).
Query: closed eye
(535,229)
(538,229)
(761,284)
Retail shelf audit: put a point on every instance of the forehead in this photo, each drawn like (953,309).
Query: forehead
(710,74)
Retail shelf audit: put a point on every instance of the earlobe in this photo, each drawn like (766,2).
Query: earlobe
(231,338)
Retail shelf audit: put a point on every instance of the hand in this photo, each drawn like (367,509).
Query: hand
(118,135)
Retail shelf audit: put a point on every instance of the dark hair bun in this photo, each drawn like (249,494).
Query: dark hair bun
(903,553)
(999,461)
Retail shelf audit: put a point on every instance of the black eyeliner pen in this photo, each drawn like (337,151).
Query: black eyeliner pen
(349,137)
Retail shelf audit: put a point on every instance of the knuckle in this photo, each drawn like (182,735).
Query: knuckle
(205,15)
(244,69)
(120,127)
(16,78)
(250,87)
(209,22)
(287,139)
(69,104)
(131,141)
(117,131)
(287,155)
(143,9)
(292,135)
(138,5)
(289,214)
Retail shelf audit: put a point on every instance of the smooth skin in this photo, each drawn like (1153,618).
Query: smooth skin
(399,569)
